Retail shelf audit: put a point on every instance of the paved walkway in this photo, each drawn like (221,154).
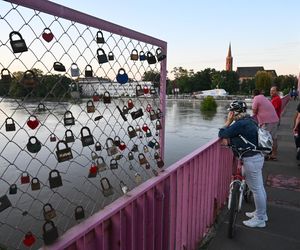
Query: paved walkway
(282,181)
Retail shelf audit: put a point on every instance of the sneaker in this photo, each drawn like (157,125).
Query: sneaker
(252,214)
(254,222)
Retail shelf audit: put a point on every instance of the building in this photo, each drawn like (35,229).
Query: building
(229,59)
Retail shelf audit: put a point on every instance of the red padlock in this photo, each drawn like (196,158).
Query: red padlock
(122,145)
(130,104)
(145,127)
(146,90)
(149,108)
(96,97)
(32,122)
(47,35)
(93,169)
(25,178)
(29,239)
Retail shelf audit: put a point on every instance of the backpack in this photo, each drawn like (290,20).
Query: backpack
(265,141)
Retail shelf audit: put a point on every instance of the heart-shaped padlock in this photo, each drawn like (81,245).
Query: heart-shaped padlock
(145,127)
(122,77)
(122,145)
(32,122)
(146,89)
(47,35)
(93,171)
(33,145)
(29,239)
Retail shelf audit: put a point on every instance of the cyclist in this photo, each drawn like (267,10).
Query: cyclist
(239,123)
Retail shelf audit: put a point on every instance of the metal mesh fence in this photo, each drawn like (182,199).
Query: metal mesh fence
(79,122)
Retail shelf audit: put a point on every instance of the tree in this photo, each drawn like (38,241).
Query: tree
(152,76)
(263,81)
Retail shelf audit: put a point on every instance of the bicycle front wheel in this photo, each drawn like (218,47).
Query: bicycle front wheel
(233,211)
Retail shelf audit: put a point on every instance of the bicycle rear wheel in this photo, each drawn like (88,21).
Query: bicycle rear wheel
(233,211)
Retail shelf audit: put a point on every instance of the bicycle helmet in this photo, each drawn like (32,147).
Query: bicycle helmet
(237,106)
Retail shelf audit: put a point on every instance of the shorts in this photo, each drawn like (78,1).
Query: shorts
(272,128)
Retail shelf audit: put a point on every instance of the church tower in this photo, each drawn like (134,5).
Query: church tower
(229,59)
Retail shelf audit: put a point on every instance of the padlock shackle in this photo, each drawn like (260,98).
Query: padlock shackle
(9,118)
(89,67)
(85,128)
(47,29)
(46,223)
(4,70)
(107,140)
(14,33)
(61,142)
(90,103)
(102,50)
(68,112)
(99,32)
(134,52)
(53,171)
(69,130)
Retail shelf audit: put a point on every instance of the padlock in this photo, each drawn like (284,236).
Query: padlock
(122,146)
(88,139)
(122,77)
(146,90)
(130,104)
(93,171)
(153,115)
(145,148)
(55,181)
(158,125)
(49,234)
(41,107)
(99,37)
(25,178)
(58,66)
(156,156)
(19,45)
(33,145)
(5,77)
(90,106)
(29,239)
(69,136)
(159,114)
(48,212)
(13,189)
(29,79)
(134,55)
(32,122)
(139,91)
(4,203)
(137,178)
(35,184)
(138,128)
(154,172)
(107,189)
(113,164)
(74,70)
(47,35)
(135,148)
(142,159)
(110,147)
(94,155)
(101,164)
(98,146)
(131,132)
(10,124)
(157,145)
(52,137)
(160,163)
(130,156)
(96,97)
(151,58)
(64,154)
(88,72)
(149,108)
(145,127)
(111,56)
(148,133)
(102,58)
(137,114)
(79,213)
(159,54)
(147,165)
(151,143)
(125,110)
(69,118)
(117,141)
(106,97)
(123,187)
(142,56)
(153,90)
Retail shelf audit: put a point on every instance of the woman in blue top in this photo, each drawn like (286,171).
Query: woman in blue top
(240,123)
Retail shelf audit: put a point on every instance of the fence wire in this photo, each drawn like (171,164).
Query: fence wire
(79,122)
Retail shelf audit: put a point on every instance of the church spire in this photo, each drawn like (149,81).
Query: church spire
(229,59)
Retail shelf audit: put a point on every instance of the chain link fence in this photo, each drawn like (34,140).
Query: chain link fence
(80,122)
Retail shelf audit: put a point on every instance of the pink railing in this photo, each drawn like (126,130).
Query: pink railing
(171,211)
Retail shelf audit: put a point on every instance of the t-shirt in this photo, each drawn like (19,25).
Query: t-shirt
(265,110)
(276,101)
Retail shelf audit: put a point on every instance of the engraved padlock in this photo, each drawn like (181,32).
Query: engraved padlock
(88,139)
(106,187)
(25,178)
(98,146)
(134,56)
(19,44)
(69,118)
(4,203)
(102,57)
(110,147)
(138,90)
(99,37)
(13,189)
(64,154)
(142,56)
(101,164)
(137,114)
(69,136)
(79,213)
(10,124)
(5,75)
(48,212)
(50,234)
(35,184)
(111,56)
(106,97)
(90,106)
(55,179)
(151,58)
(113,164)
(88,72)
(52,137)
(122,77)
(33,145)
(142,159)
(29,79)
(58,66)
(74,70)
(160,55)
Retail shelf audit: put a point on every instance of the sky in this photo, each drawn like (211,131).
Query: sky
(198,32)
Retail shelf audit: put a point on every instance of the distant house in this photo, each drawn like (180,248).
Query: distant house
(248,73)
